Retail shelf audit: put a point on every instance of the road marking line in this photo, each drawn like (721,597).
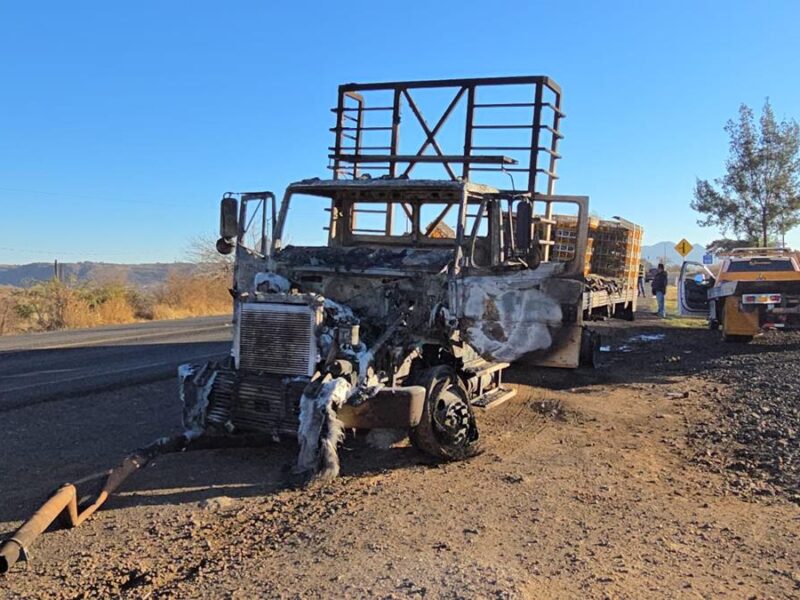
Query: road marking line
(106,373)
(18,375)
(89,343)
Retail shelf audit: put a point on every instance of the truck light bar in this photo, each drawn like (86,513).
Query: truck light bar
(761,299)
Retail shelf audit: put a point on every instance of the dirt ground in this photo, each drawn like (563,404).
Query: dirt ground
(609,483)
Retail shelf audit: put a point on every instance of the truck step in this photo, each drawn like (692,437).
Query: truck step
(494,397)
(480,367)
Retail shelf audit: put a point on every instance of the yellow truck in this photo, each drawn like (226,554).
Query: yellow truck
(754,289)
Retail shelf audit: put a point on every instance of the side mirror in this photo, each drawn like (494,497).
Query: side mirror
(225,245)
(524,226)
(228,218)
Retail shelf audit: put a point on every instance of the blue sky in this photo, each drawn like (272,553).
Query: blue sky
(121,124)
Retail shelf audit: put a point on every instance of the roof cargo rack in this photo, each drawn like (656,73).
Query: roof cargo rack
(504,126)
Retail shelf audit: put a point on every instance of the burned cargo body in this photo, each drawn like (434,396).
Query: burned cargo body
(423,294)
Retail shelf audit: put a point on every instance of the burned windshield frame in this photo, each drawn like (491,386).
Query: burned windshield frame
(253,210)
(343,204)
(496,208)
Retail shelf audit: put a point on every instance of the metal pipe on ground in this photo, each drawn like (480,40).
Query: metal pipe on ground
(64,500)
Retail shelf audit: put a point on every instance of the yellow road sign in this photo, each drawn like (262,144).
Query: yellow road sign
(683,247)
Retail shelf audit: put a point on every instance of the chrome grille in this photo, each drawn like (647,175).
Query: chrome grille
(277,338)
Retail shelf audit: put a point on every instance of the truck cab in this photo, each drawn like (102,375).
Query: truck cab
(372,299)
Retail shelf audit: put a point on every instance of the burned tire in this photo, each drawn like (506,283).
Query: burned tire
(624,311)
(590,349)
(447,429)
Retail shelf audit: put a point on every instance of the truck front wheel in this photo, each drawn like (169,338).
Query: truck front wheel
(447,429)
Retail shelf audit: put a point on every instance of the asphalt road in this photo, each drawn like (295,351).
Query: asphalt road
(50,366)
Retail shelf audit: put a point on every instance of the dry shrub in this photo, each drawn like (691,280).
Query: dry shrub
(78,313)
(142,305)
(51,305)
(42,306)
(117,309)
(9,319)
(164,312)
(191,295)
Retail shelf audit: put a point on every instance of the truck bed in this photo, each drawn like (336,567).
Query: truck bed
(608,296)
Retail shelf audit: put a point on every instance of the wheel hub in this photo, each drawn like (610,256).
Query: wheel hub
(451,417)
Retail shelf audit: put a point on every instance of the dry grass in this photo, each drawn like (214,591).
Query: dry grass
(9,320)
(191,296)
(673,319)
(52,305)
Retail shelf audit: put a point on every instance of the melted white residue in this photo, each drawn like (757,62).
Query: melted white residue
(271,283)
(316,450)
(647,337)
(194,418)
(506,317)
(340,311)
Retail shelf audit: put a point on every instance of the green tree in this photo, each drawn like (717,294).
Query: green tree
(759,195)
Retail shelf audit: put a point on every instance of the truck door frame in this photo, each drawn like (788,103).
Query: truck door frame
(683,308)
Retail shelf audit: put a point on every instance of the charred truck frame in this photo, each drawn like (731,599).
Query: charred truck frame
(426,290)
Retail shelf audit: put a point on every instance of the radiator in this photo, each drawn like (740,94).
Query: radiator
(277,338)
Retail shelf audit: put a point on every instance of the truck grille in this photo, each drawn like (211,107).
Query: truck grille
(277,338)
(267,405)
(263,403)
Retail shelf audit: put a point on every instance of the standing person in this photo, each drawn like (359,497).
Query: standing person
(640,282)
(660,289)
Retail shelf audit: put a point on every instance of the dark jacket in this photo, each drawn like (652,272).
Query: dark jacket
(660,282)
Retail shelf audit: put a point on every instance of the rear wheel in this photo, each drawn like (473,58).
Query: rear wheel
(447,429)
(630,314)
(590,349)
(624,311)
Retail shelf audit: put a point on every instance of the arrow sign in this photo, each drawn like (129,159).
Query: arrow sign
(683,247)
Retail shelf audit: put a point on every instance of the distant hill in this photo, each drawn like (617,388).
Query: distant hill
(150,274)
(142,275)
(655,253)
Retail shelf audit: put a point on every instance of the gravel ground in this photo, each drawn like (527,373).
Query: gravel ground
(751,427)
(667,472)
(756,429)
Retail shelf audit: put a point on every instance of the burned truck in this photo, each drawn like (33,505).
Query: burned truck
(417,293)
(400,303)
